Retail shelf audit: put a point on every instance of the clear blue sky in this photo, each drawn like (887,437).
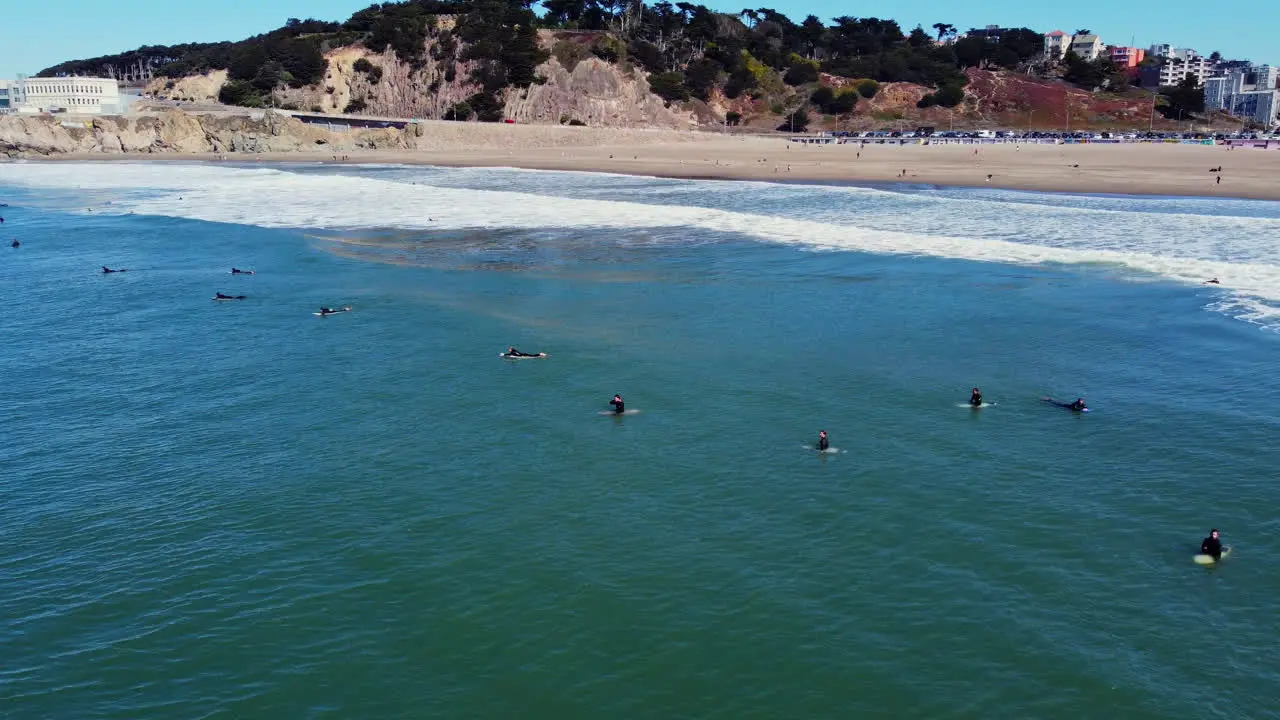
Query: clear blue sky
(37,34)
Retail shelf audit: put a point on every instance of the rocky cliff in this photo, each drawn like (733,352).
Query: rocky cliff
(593,92)
(174,131)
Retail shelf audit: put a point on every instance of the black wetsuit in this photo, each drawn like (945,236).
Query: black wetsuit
(220,296)
(617,405)
(975,399)
(1212,546)
(823,443)
(1077,405)
(517,353)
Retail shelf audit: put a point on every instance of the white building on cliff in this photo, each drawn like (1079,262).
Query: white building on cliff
(74,95)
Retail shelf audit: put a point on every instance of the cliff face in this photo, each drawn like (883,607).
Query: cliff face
(23,136)
(593,91)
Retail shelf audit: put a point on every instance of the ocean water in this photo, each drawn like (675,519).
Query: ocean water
(240,510)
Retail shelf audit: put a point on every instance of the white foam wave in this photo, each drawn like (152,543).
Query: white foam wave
(1248,265)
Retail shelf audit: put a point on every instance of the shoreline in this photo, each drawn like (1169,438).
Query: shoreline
(1135,170)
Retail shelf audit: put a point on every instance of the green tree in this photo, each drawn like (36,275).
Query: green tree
(801,73)
(797,121)
(1183,100)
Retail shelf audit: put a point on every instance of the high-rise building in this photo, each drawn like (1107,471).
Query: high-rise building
(1249,93)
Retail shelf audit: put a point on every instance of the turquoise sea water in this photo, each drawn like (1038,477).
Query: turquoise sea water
(240,510)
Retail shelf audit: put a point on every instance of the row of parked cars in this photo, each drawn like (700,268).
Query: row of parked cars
(1038,134)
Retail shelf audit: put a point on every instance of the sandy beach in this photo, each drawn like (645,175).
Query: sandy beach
(1144,169)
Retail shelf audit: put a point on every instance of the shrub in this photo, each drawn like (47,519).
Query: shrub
(822,96)
(608,48)
(577,123)
(949,95)
(486,107)
(669,86)
(797,121)
(569,54)
(240,92)
(843,103)
(460,112)
(733,118)
(362,65)
(317,109)
(868,88)
(801,73)
(356,105)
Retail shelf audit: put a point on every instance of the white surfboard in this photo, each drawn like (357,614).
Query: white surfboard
(975,407)
(610,412)
(1208,559)
(505,356)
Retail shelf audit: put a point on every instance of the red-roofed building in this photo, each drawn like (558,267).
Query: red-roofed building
(1056,44)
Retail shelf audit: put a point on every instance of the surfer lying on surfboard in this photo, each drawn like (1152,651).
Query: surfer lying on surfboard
(220,296)
(512,352)
(238,271)
(1077,406)
(106,270)
(332,311)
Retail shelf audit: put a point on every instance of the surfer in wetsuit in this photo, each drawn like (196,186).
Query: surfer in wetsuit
(237,271)
(106,270)
(220,296)
(1077,406)
(823,443)
(512,352)
(15,243)
(1212,545)
(618,407)
(975,398)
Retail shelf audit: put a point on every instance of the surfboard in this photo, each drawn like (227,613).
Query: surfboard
(505,356)
(829,451)
(1208,559)
(975,407)
(328,314)
(218,299)
(627,412)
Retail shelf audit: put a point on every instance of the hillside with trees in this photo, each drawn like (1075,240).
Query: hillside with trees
(755,63)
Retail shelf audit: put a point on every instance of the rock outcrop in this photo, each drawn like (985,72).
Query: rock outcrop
(202,88)
(174,131)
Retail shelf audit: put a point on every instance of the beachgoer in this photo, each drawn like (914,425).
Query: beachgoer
(616,402)
(975,398)
(1212,545)
(823,444)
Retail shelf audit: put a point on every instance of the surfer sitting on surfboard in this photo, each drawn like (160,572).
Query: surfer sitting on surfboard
(975,398)
(616,402)
(512,352)
(823,444)
(1212,545)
